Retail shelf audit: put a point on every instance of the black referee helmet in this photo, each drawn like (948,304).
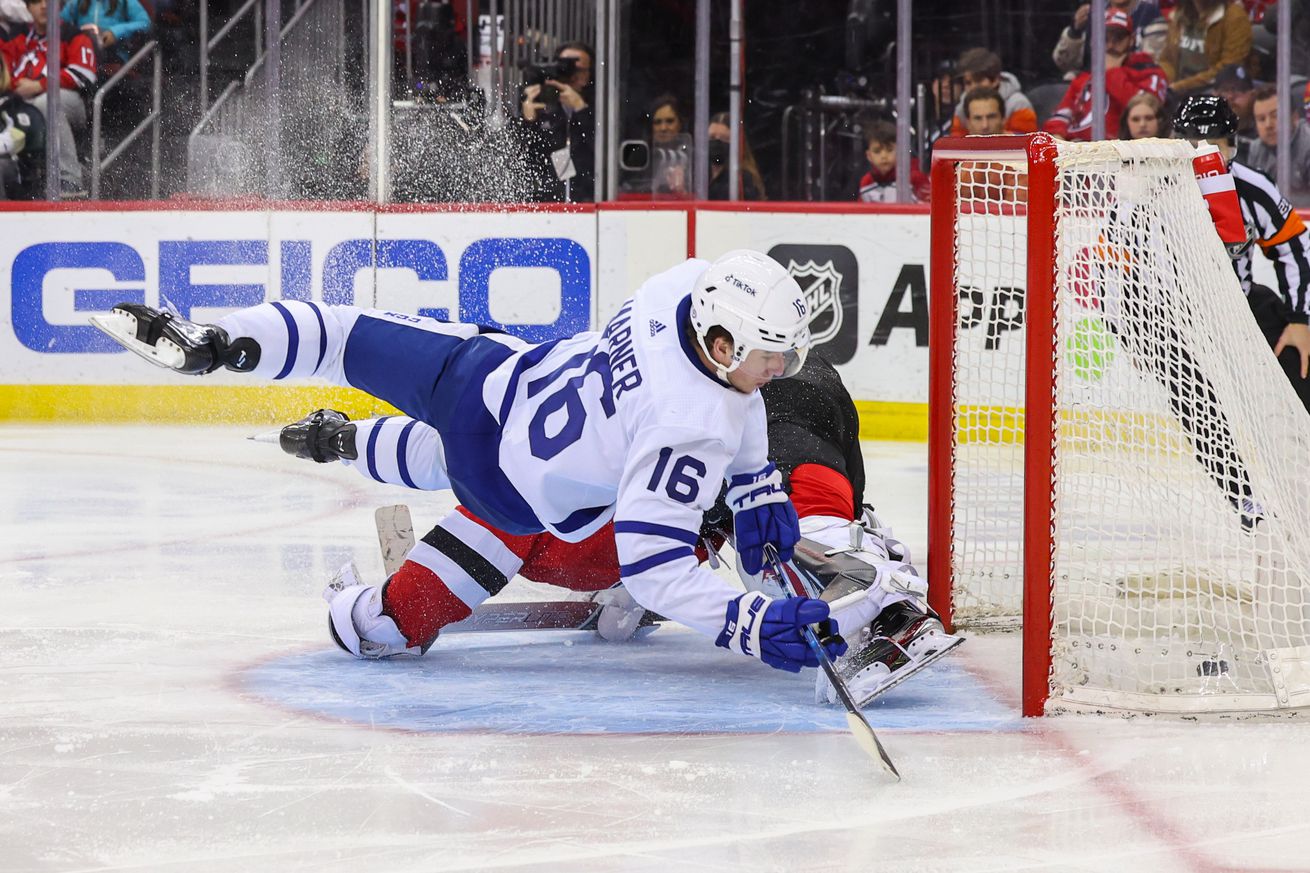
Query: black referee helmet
(1205,116)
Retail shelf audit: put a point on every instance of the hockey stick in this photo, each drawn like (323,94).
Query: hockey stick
(395,535)
(859,725)
(396,538)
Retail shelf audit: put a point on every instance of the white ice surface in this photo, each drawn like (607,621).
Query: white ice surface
(169,700)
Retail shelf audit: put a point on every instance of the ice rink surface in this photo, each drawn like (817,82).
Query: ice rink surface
(171,701)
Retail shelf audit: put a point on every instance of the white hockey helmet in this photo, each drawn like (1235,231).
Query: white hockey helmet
(752,297)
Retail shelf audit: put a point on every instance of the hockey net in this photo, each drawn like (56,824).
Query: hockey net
(1117,462)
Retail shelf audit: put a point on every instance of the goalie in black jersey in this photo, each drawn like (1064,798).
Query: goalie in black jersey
(878,598)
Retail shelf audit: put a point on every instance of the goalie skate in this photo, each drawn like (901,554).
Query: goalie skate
(900,642)
(168,340)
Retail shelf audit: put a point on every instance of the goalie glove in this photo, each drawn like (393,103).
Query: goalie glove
(762,515)
(773,630)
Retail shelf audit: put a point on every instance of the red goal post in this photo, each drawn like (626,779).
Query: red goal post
(1151,539)
(1037,154)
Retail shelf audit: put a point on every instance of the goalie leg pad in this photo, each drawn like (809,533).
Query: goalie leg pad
(456,566)
(900,642)
(357,622)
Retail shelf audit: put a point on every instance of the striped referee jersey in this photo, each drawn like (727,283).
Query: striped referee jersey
(1280,233)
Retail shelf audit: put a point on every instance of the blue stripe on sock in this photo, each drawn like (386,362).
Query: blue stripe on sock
(659,530)
(371,452)
(322,335)
(401,445)
(293,340)
(655,560)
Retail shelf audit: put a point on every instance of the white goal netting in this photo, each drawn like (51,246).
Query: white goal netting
(1180,528)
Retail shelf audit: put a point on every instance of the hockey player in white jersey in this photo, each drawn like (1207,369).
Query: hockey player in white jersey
(865,574)
(638,423)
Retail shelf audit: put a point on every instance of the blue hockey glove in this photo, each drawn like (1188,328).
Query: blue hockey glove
(771,630)
(762,514)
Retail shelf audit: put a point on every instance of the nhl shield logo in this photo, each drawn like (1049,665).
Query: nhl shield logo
(829,277)
(822,284)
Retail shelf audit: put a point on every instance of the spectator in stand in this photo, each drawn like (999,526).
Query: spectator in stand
(879,184)
(13,18)
(1234,85)
(1263,154)
(945,91)
(751,186)
(984,112)
(26,56)
(1070,53)
(562,128)
(118,27)
(1267,34)
(1204,37)
(1144,117)
(669,147)
(1127,74)
(665,120)
(980,68)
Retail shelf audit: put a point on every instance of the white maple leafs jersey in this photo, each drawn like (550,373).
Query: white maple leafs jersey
(624,423)
(627,424)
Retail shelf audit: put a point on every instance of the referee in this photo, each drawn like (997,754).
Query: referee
(1274,226)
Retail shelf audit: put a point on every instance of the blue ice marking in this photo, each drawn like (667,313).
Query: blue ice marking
(670,682)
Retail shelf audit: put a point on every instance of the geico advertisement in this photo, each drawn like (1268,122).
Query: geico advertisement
(531,275)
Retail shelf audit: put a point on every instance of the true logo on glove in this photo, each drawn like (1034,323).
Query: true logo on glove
(746,629)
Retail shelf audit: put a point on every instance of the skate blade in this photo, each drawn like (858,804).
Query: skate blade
(905,673)
(121,328)
(269,436)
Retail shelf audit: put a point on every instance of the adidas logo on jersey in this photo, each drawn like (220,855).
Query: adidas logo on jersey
(655,327)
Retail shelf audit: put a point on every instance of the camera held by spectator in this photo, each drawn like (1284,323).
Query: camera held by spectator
(560,124)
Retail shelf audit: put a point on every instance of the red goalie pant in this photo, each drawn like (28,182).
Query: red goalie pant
(464,560)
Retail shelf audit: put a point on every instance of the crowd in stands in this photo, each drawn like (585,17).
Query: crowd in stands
(94,35)
(1156,53)
(1153,59)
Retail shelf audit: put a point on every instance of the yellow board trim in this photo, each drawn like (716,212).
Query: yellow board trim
(180,404)
(279,404)
(887,420)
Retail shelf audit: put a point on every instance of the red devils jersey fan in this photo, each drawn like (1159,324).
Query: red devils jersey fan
(27,56)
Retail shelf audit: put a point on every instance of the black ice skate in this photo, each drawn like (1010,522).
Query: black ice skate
(900,642)
(168,340)
(322,436)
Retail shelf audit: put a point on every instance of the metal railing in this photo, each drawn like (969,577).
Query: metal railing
(235,147)
(824,126)
(152,120)
(208,43)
